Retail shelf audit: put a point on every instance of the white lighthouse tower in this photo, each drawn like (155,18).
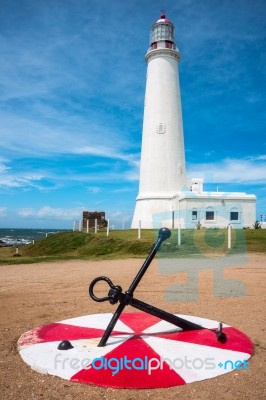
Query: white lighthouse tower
(162,167)
(165,196)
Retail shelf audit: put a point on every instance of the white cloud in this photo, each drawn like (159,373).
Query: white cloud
(15,182)
(94,189)
(68,135)
(2,211)
(120,219)
(3,167)
(132,176)
(107,152)
(12,175)
(58,94)
(261,157)
(231,171)
(48,212)
(14,179)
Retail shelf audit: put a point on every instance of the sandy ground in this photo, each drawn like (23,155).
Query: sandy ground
(38,294)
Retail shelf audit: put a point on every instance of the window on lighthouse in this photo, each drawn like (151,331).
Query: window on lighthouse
(168,44)
(161,128)
(162,32)
(169,33)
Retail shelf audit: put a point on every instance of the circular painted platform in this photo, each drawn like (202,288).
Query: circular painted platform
(142,352)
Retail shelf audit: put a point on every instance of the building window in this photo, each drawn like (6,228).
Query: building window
(194,215)
(209,215)
(234,216)
(168,44)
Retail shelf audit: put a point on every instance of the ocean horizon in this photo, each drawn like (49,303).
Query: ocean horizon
(21,236)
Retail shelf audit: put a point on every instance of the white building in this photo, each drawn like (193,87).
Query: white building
(164,191)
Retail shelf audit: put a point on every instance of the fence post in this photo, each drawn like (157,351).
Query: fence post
(87,226)
(95,226)
(108,227)
(229,236)
(139,230)
(179,235)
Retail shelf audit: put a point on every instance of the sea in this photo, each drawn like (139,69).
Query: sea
(18,237)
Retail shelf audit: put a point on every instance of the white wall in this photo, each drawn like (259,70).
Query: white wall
(162,168)
(245,207)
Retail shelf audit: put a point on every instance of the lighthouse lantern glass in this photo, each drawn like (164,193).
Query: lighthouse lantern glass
(162,32)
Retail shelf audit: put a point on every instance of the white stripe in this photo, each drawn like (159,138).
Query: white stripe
(164,326)
(98,321)
(202,361)
(47,359)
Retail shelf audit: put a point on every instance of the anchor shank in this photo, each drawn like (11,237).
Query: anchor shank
(171,318)
(111,325)
(145,266)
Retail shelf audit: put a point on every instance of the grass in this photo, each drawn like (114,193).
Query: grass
(125,244)
(256,240)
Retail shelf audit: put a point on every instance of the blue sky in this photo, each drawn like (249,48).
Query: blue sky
(72,82)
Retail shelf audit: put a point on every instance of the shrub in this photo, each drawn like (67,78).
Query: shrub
(198,225)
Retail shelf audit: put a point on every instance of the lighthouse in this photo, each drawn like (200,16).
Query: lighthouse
(166,196)
(162,165)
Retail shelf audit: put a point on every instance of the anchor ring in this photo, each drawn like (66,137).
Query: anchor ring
(93,283)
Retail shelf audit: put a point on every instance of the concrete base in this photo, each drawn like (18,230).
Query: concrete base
(146,209)
(142,352)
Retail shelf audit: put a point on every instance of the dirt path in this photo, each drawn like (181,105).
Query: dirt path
(38,294)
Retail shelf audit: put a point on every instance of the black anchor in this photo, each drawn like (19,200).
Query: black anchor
(116,295)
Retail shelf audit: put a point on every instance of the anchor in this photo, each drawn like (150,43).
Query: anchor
(116,295)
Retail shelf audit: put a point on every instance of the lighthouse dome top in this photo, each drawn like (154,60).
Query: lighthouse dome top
(163,19)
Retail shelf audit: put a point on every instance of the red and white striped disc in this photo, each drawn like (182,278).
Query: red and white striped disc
(142,351)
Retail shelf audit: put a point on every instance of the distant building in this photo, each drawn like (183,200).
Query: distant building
(89,218)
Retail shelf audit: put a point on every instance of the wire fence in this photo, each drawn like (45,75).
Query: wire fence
(88,228)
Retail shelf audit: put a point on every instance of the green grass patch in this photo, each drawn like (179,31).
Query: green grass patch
(204,242)
(256,240)
(59,243)
(125,244)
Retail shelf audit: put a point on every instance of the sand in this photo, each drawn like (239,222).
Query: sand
(38,294)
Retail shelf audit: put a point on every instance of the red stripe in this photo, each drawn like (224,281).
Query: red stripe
(138,322)
(236,340)
(57,332)
(134,378)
